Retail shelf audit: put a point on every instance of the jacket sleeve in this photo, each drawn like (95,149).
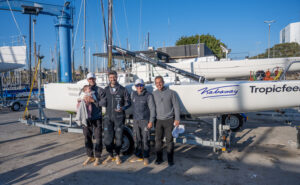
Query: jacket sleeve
(127,101)
(151,105)
(176,106)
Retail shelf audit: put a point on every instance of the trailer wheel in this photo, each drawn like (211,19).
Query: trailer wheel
(235,121)
(16,106)
(128,143)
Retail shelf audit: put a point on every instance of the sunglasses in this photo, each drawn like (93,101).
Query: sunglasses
(139,85)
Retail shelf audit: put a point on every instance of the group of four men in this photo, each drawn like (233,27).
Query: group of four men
(161,107)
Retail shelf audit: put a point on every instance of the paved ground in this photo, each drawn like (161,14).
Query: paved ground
(265,153)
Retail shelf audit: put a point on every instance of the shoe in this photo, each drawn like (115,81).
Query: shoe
(170,159)
(146,161)
(170,163)
(135,159)
(97,161)
(88,160)
(118,160)
(159,158)
(158,161)
(108,159)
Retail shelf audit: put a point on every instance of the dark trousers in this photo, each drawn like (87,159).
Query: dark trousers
(113,133)
(141,138)
(94,126)
(163,129)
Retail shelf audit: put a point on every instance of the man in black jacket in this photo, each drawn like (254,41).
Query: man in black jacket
(143,119)
(117,100)
(94,124)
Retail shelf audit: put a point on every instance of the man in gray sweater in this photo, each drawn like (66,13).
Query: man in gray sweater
(168,116)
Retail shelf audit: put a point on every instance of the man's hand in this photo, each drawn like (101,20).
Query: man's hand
(149,125)
(85,99)
(89,99)
(176,123)
(119,110)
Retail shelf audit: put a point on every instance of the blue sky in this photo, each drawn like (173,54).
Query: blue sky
(239,24)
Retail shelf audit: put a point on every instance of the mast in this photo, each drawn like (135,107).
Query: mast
(84,35)
(110,4)
(29,62)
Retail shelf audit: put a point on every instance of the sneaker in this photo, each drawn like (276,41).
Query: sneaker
(135,159)
(146,162)
(118,160)
(88,160)
(158,161)
(97,162)
(108,159)
(170,163)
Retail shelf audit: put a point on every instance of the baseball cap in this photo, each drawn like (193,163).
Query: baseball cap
(90,75)
(139,81)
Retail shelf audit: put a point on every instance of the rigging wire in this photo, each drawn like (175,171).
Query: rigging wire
(140,26)
(116,27)
(12,13)
(117,33)
(103,17)
(75,36)
(126,20)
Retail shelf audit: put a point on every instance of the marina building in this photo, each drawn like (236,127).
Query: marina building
(291,33)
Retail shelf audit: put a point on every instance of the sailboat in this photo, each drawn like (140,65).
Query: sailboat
(199,97)
(12,57)
(220,70)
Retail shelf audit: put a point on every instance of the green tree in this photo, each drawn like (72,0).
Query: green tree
(209,40)
(281,50)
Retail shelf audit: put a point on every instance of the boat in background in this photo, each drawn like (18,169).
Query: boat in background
(12,57)
(217,70)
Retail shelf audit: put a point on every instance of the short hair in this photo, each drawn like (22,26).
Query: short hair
(159,77)
(112,73)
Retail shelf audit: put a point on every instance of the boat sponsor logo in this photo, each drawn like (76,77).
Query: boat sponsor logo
(274,89)
(73,91)
(219,92)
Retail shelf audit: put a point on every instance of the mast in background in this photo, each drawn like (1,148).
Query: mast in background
(109,66)
(84,35)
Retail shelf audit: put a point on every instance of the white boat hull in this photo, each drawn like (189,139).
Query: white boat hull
(202,99)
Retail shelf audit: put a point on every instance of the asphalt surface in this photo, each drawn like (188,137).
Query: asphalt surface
(265,152)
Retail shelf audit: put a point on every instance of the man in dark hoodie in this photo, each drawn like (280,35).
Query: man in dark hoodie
(143,119)
(117,100)
(94,124)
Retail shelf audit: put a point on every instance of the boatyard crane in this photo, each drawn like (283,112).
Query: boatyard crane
(63,14)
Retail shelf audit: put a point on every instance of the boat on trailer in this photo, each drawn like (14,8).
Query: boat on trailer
(200,98)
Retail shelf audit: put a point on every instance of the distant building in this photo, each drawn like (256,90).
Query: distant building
(193,52)
(187,51)
(291,33)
